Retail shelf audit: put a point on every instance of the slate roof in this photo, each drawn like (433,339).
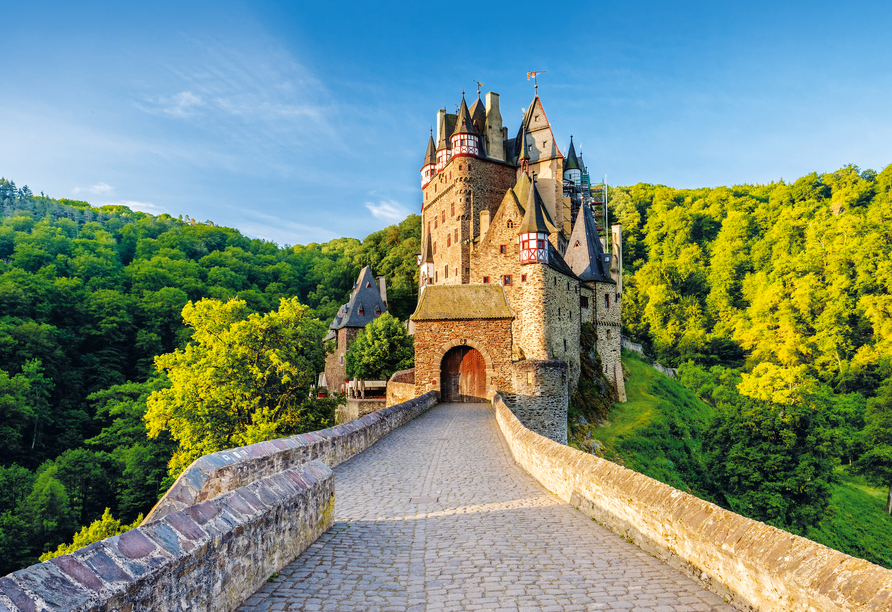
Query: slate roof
(521,192)
(533,217)
(365,297)
(478,114)
(430,156)
(451,302)
(572,162)
(587,259)
(463,123)
(427,251)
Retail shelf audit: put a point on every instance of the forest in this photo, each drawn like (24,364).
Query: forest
(773,301)
(89,297)
(775,304)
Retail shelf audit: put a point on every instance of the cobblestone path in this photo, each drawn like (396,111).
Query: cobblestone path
(437,516)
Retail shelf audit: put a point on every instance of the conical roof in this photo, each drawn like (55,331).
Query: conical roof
(478,114)
(427,250)
(533,216)
(523,154)
(430,156)
(572,162)
(584,253)
(464,124)
(443,136)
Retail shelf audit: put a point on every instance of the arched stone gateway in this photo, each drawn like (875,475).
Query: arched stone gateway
(463,375)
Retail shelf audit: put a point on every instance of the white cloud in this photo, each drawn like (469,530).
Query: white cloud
(257,224)
(99,189)
(389,210)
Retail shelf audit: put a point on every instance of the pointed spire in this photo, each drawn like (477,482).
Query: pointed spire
(523,157)
(572,162)
(430,156)
(584,253)
(533,217)
(463,123)
(442,140)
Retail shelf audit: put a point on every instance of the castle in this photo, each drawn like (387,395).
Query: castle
(511,266)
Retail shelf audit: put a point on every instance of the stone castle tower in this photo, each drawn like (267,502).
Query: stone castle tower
(511,265)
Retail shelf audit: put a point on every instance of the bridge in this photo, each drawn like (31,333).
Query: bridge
(440,506)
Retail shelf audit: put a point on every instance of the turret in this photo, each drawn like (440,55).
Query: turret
(429,168)
(465,140)
(572,167)
(533,232)
(426,262)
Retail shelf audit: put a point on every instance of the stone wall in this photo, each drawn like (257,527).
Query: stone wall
(401,387)
(540,397)
(335,362)
(755,566)
(606,314)
(210,556)
(356,408)
(218,473)
(433,339)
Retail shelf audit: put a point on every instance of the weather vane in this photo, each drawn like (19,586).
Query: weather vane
(534,76)
(479,85)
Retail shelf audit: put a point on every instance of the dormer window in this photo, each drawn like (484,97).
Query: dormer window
(361,311)
(576,246)
(377,311)
(368,285)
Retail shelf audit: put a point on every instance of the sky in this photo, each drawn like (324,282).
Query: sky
(302,122)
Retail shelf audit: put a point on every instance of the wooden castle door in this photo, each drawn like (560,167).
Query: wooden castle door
(463,375)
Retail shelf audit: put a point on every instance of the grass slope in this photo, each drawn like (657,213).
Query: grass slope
(659,431)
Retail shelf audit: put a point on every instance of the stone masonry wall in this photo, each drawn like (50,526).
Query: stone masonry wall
(492,337)
(451,211)
(563,319)
(356,408)
(218,473)
(210,556)
(336,362)
(401,387)
(540,397)
(756,566)
(608,322)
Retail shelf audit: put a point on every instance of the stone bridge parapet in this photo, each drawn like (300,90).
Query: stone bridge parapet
(757,567)
(224,471)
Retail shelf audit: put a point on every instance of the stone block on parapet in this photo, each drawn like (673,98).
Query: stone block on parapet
(217,473)
(207,556)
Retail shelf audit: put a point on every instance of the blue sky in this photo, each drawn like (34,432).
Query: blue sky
(302,122)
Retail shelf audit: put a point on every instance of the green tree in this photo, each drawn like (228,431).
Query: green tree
(876,463)
(244,378)
(104,527)
(771,453)
(381,348)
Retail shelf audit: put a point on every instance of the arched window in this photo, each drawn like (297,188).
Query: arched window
(510,223)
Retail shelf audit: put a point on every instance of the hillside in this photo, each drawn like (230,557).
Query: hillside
(661,431)
(89,297)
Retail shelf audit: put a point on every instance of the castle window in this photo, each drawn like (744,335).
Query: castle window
(456,235)
(506,280)
(444,216)
(449,240)
(361,311)
(436,221)
(459,166)
(503,249)
(565,345)
(568,285)
(377,311)
(510,223)
(453,209)
(436,276)
(435,248)
(341,360)
(469,167)
(523,278)
(608,334)
(485,280)
(435,189)
(368,285)
(576,246)
(583,301)
(606,300)
(445,271)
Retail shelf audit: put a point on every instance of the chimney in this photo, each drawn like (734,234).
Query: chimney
(484,223)
(441,119)
(616,259)
(382,289)
(495,146)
